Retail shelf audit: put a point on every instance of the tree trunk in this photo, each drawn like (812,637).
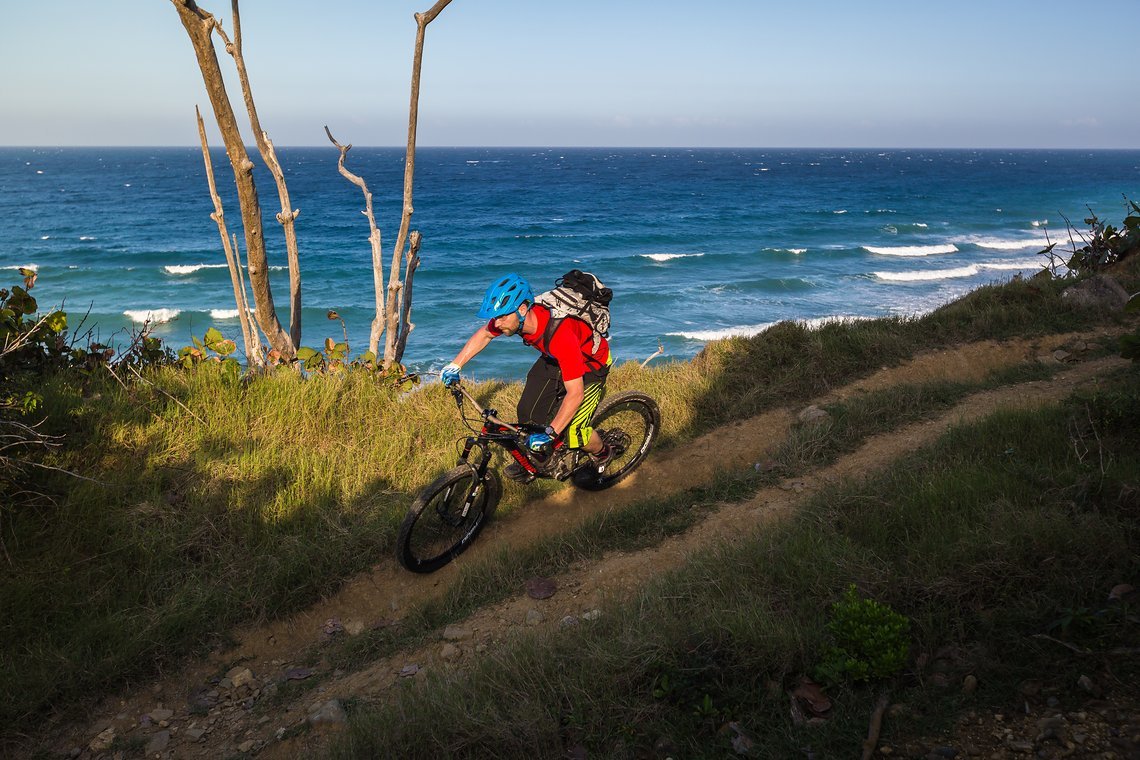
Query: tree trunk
(250,338)
(406,324)
(199,26)
(392,307)
(265,146)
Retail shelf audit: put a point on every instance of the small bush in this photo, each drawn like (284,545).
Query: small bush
(871,640)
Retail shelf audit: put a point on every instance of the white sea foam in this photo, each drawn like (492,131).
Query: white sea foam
(45,237)
(934,274)
(669,256)
(154,316)
(747,331)
(33,267)
(87,237)
(190,268)
(912,250)
(818,322)
(1040,222)
(740,331)
(999,244)
(226,313)
(840,211)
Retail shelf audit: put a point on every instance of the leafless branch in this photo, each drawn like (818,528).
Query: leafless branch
(249,333)
(391,309)
(199,27)
(1116,652)
(17,340)
(287,214)
(660,350)
(875,727)
(374,242)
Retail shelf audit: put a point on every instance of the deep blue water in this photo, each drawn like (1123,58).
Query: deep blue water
(696,244)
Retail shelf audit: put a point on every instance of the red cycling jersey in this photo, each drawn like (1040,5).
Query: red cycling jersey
(572,344)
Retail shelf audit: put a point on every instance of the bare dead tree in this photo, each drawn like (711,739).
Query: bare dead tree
(200,26)
(406,324)
(249,333)
(398,291)
(288,214)
(373,240)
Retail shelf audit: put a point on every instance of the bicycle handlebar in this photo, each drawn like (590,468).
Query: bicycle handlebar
(485,413)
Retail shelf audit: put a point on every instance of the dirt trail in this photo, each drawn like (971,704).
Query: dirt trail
(160,719)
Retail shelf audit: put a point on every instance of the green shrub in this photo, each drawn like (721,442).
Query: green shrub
(871,640)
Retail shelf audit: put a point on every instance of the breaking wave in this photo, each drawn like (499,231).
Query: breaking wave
(912,250)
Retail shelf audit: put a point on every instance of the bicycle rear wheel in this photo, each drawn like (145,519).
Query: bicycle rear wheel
(446,518)
(628,422)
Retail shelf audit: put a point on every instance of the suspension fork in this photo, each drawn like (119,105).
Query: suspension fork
(480,467)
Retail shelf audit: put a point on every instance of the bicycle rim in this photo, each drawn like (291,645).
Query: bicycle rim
(445,519)
(628,422)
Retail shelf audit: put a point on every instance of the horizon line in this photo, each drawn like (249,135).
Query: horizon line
(253,147)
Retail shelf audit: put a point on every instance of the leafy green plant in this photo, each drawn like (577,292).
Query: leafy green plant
(147,351)
(1073,620)
(871,640)
(334,359)
(214,347)
(28,341)
(1107,244)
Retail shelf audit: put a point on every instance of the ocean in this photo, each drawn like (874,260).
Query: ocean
(697,244)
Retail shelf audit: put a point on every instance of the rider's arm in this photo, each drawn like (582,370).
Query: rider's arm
(476,343)
(575,392)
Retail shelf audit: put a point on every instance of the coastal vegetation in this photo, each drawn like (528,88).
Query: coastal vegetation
(152,502)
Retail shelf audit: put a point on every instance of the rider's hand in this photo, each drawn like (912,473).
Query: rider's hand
(450,374)
(541,441)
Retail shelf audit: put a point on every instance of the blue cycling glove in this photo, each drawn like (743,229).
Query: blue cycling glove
(541,441)
(450,374)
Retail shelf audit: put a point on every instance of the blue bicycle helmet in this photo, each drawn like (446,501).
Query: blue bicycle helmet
(504,296)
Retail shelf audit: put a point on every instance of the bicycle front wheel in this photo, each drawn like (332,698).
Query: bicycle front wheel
(446,518)
(628,422)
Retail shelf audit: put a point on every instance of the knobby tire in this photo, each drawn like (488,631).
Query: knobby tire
(630,414)
(433,532)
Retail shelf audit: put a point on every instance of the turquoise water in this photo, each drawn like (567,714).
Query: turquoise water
(697,244)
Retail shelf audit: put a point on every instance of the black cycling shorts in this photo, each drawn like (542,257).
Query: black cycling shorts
(543,393)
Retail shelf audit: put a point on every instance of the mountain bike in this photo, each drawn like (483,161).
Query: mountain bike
(448,514)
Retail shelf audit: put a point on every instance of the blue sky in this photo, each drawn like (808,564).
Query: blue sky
(880,73)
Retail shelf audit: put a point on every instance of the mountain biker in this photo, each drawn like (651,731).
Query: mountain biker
(566,383)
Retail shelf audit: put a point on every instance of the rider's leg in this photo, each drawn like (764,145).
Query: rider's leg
(542,394)
(579,434)
(594,445)
(541,397)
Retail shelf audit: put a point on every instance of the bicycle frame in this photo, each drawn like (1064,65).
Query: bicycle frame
(497,431)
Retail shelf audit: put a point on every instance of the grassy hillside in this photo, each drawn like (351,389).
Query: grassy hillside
(1011,527)
(206,502)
